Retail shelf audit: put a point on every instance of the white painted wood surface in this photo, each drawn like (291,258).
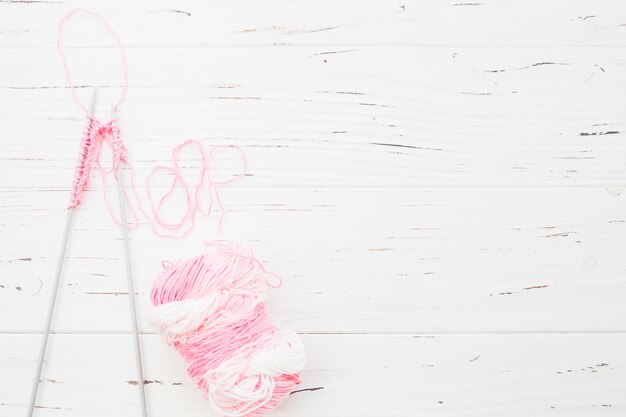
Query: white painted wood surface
(440,184)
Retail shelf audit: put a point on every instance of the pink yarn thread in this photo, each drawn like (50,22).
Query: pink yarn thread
(68,73)
(192,194)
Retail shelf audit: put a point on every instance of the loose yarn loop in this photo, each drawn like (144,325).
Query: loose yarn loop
(68,73)
(186,224)
(211,309)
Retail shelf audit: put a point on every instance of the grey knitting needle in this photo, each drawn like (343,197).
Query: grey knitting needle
(131,286)
(55,287)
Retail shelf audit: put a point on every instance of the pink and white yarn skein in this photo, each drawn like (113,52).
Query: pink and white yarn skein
(211,309)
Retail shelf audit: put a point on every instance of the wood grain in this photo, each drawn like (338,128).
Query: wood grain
(443,375)
(402,260)
(369,117)
(325,22)
(440,184)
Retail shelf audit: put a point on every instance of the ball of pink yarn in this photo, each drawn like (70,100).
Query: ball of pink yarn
(211,309)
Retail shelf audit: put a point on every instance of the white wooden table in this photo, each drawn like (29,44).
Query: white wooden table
(440,184)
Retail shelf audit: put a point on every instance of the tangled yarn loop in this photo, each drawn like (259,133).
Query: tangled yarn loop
(211,309)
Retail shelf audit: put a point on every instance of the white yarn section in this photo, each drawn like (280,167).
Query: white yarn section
(286,357)
(226,388)
(175,319)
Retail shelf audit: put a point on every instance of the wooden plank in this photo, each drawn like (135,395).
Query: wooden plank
(368,117)
(282,22)
(374,375)
(358,260)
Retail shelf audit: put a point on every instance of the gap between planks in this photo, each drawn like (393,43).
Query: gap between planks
(311,187)
(415,334)
(329,46)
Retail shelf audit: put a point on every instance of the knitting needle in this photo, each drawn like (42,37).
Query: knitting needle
(55,286)
(131,287)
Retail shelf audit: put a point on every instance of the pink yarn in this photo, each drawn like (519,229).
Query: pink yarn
(68,73)
(222,291)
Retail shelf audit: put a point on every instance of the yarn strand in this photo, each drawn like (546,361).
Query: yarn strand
(68,73)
